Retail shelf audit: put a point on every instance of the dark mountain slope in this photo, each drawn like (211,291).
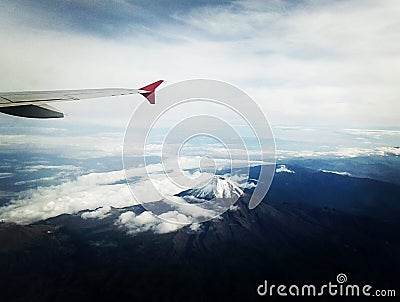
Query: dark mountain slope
(290,238)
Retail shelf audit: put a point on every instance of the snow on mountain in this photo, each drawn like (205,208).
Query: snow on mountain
(219,188)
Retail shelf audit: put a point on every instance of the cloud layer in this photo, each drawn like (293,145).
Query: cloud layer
(334,61)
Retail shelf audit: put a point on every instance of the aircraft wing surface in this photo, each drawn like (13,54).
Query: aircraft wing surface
(34,104)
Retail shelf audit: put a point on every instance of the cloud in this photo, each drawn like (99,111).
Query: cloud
(179,220)
(87,192)
(5,175)
(242,180)
(111,19)
(391,151)
(333,61)
(126,217)
(72,192)
(99,213)
(250,185)
(35,168)
(102,190)
(233,208)
(50,179)
(341,152)
(327,44)
(72,146)
(337,172)
(372,132)
(147,221)
(283,169)
(195,227)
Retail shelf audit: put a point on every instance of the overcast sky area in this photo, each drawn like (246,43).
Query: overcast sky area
(317,63)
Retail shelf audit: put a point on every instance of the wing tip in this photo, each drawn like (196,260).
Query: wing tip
(151,88)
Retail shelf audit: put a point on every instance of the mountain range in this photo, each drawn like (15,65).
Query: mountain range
(311,226)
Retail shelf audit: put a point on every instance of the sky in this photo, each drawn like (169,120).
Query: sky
(320,63)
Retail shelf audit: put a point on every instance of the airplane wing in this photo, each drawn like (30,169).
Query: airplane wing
(33,104)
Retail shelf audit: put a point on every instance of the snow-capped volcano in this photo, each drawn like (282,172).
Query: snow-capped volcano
(219,188)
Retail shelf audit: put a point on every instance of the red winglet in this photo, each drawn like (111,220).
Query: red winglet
(150,95)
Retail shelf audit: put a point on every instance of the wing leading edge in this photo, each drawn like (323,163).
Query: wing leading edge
(33,104)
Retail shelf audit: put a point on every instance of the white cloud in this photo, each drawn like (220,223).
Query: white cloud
(140,223)
(179,220)
(124,218)
(337,62)
(250,185)
(283,169)
(102,190)
(36,168)
(99,213)
(341,152)
(337,172)
(61,175)
(73,146)
(147,221)
(372,132)
(313,58)
(195,227)
(233,208)
(390,151)
(87,192)
(5,175)
(107,189)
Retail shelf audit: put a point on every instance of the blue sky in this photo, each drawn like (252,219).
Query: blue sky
(110,19)
(324,63)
